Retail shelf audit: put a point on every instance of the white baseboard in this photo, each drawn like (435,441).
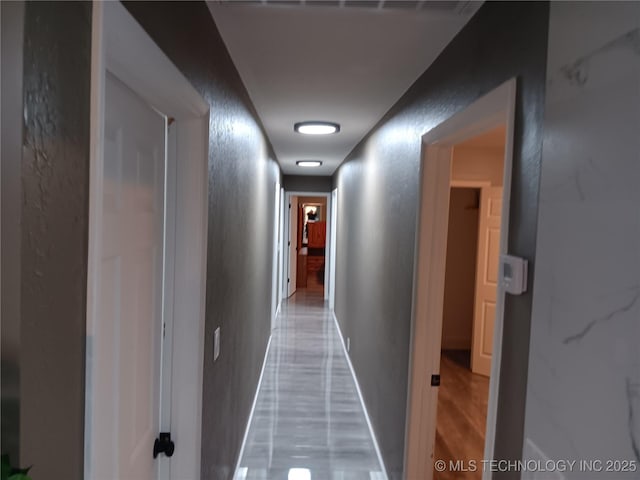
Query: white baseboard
(241,475)
(364,407)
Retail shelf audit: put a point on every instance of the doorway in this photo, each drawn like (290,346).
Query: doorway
(469,305)
(146,275)
(488,191)
(311,238)
(308,231)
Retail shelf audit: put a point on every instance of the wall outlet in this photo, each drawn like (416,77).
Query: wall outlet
(348,344)
(216,344)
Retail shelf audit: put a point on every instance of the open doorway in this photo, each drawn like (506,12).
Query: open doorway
(307,230)
(311,237)
(491,114)
(470,291)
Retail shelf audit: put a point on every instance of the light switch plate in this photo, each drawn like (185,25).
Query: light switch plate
(216,344)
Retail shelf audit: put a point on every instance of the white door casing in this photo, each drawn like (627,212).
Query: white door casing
(281,249)
(276,247)
(293,244)
(494,109)
(328,251)
(121,49)
(333,245)
(486,289)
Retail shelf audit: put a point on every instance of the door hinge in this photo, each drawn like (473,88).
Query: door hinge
(288,280)
(288,244)
(163,444)
(435,380)
(289,205)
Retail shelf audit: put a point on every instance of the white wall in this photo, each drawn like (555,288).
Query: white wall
(469,163)
(583,395)
(478,163)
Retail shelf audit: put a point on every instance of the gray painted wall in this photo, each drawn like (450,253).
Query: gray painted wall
(242,178)
(12,54)
(53,238)
(54,214)
(304,183)
(583,391)
(11,144)
(378,200)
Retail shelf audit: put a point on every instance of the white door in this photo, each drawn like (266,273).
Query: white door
(486,279)
(293,244)
(129,317)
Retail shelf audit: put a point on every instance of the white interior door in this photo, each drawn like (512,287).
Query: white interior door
(293,244)
(486,279)
(128,355)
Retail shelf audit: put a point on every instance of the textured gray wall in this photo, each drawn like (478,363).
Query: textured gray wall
(307,183)
(378,197)
(12,53)
(54,212)
(242,177)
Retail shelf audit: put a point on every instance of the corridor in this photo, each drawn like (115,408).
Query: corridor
(308,422)
(154,159)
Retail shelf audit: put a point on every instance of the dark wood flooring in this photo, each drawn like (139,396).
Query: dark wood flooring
(462,414)
(315,280)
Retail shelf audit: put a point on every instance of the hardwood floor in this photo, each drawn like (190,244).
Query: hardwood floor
(315,273)
(462,414)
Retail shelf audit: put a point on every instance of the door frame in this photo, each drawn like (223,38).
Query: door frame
(329,252)
(275,303)
(333,245)
(122,47)
(493,109)
(281,250)
(286,260)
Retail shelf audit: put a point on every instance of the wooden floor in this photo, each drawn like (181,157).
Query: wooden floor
(462,414)
(315,281)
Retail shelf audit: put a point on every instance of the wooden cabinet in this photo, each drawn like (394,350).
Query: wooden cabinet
(317,233)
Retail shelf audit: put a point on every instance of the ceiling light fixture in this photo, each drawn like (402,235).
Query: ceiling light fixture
(308,163)
(316,128)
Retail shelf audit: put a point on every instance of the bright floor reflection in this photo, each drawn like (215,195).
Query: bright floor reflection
(299,474)
(308,422)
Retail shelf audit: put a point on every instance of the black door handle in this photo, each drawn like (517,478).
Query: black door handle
(163,444)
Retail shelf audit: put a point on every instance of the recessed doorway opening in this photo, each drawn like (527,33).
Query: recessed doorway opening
(307,235)
(462,170)
(470,291)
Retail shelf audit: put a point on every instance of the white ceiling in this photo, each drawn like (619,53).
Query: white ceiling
(345,64)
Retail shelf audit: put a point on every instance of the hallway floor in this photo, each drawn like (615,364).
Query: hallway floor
(308,422)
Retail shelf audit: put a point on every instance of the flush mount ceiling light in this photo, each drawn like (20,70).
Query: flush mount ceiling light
(316,128)
(308,163)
